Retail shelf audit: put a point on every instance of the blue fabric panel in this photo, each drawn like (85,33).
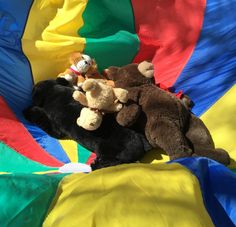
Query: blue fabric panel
(15,72)
(218,186)
(48,143)
(211,70)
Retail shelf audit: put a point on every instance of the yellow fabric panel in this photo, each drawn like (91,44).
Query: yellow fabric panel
(221,121)
(155,156)
(51,35)
(134,195)
(70,147)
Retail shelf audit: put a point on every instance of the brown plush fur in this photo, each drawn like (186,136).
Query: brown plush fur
(166,122)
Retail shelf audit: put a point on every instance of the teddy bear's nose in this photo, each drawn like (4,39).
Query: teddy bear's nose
(86,62)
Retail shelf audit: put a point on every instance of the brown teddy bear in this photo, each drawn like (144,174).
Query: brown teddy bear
(99,98)
(162,117)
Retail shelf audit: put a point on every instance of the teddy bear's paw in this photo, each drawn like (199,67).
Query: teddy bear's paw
(146,68)
(123,96)
(223,156)
(118,107)
(218,154)
(77,95)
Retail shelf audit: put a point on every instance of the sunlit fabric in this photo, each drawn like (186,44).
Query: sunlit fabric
(192,46)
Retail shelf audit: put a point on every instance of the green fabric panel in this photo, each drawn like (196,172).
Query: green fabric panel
(25,198)
(116,50)
(11,161)
(109,29)
(105,17)
(83,154)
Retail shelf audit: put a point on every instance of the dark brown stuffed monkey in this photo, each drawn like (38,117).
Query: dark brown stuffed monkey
(164,119)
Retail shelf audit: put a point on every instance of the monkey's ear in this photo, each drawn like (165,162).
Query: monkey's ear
(93,68)
(94,64)
(75,57)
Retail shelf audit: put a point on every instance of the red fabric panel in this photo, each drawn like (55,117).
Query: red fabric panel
(168,31)
(91,158)
(15,135)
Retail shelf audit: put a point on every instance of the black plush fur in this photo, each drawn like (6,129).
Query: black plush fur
(55,111)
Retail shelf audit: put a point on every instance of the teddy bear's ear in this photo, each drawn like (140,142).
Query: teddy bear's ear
(146,69)
(110,73)
(75,57)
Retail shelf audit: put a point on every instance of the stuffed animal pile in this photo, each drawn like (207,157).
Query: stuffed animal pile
(98,99)
(81,68)
(163,118)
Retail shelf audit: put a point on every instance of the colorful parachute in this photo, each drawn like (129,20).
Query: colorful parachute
(192,46)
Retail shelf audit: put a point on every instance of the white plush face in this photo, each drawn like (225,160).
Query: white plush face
(84,64)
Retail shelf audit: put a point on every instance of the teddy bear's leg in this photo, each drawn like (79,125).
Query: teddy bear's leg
(128,115)
(166,134)
(218,154)
(37,115)
(121,94)
(80,97)
(202,142)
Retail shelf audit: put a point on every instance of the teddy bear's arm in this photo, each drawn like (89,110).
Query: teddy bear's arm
(121,94)
(128,115)
(115,107)
(80,97)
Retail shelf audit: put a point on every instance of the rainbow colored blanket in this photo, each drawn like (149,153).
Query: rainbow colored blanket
(192,46)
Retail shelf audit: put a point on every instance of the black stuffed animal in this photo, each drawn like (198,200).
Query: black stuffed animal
(55,111)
